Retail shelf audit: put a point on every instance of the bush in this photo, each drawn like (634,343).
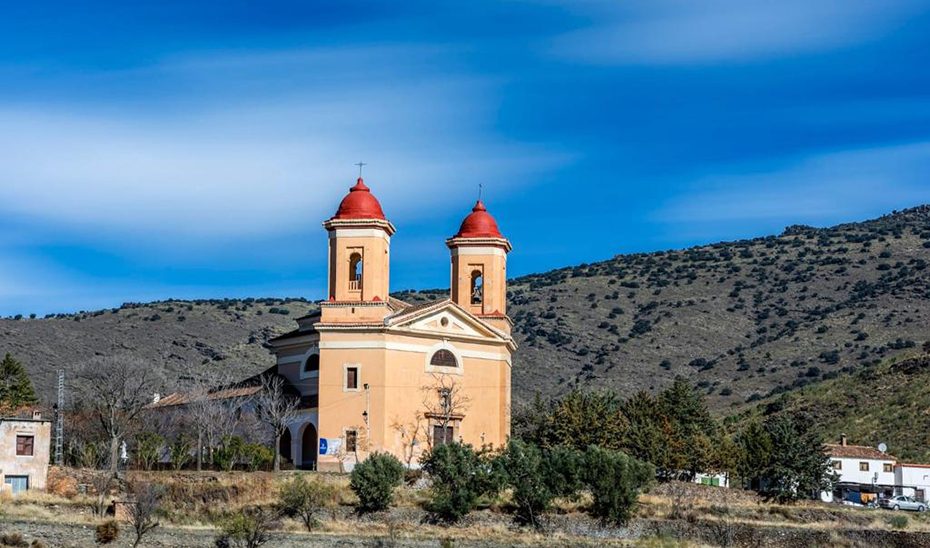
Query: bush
(537,477)
(256,456)
(106,532)
(146,504)
(305,499)
(13,539)
(247,529)
(615,480)
(460,475)
(898,522)
(374,480)
(148,449)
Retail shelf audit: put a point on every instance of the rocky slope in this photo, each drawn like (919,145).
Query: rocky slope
(744,320)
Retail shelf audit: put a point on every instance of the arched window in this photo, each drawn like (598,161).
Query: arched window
(355,271)
(477,287)
(312,363)
(443,358)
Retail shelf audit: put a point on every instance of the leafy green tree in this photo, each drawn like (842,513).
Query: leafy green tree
(460,476)
(180,451)
(148,449)
(578,419)
(645,438)
(615,480)
(16,389)
(523,468)
(256,456)
(305,499)
(784,459)
(755,452)
(374,480)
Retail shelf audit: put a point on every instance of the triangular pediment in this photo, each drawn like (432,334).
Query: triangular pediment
(445,318)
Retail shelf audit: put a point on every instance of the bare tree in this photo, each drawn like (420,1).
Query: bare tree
(213,418)
(116,389)
(142,509)
(445,401)
(412,434)
(276,407)
(100,482)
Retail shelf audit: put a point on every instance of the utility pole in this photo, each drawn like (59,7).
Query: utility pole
(59,418)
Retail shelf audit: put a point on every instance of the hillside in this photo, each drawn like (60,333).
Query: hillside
(884,403)
(743,320)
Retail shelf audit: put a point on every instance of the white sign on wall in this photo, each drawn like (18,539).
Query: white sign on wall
(330,446)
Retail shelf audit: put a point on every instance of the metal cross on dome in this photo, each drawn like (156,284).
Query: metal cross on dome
(360,166)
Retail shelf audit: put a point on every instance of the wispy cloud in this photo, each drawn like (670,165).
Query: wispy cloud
(260,161)
(823,188)
(687,32)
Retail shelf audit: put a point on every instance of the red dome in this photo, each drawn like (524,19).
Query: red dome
(359,204)
(479,224)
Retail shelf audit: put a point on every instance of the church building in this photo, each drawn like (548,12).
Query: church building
(378,374)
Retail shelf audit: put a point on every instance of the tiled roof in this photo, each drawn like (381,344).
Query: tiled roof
(183,398)
(244,388)
(857,452)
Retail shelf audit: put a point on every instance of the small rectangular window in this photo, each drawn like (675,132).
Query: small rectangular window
(863,467)
(351,441)
(442,434)
(352,378)
(837,465)
(25,446)
(888,467)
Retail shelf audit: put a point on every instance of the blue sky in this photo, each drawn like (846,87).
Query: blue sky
(154,150)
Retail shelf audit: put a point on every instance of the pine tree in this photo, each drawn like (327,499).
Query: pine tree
(15,387)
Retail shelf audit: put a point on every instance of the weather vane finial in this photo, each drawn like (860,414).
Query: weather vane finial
(479,192)
(360,166)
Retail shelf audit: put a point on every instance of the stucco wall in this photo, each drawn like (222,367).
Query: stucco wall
(911,478)
(35,466)
(850,472)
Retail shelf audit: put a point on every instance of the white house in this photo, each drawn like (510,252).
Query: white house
(864,473)
(913,480)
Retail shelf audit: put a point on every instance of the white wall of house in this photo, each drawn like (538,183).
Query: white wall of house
(913,480)
(879,472)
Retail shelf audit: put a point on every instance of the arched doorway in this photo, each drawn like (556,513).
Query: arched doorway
(285,446)
(308,448)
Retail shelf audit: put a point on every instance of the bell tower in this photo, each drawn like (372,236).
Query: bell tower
(479,267)
(359,249)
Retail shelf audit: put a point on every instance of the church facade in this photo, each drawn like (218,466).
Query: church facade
(376,374)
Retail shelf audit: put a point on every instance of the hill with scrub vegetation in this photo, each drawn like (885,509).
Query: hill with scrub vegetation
(744,320)
(885,403)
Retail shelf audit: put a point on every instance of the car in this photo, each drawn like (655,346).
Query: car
(901,502)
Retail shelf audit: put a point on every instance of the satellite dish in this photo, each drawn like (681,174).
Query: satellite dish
(882,447)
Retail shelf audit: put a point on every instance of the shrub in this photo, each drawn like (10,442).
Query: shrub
(106,532)
(305,499)
(228,453)
(256,456)
(898,522)
(374,480)
(148,449)
(615,480)
(180,452)
(13,539)
(248,529)
(460,475)
(538,476)
(146,503)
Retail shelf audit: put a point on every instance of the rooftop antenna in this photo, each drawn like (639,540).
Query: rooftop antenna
(360,166)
